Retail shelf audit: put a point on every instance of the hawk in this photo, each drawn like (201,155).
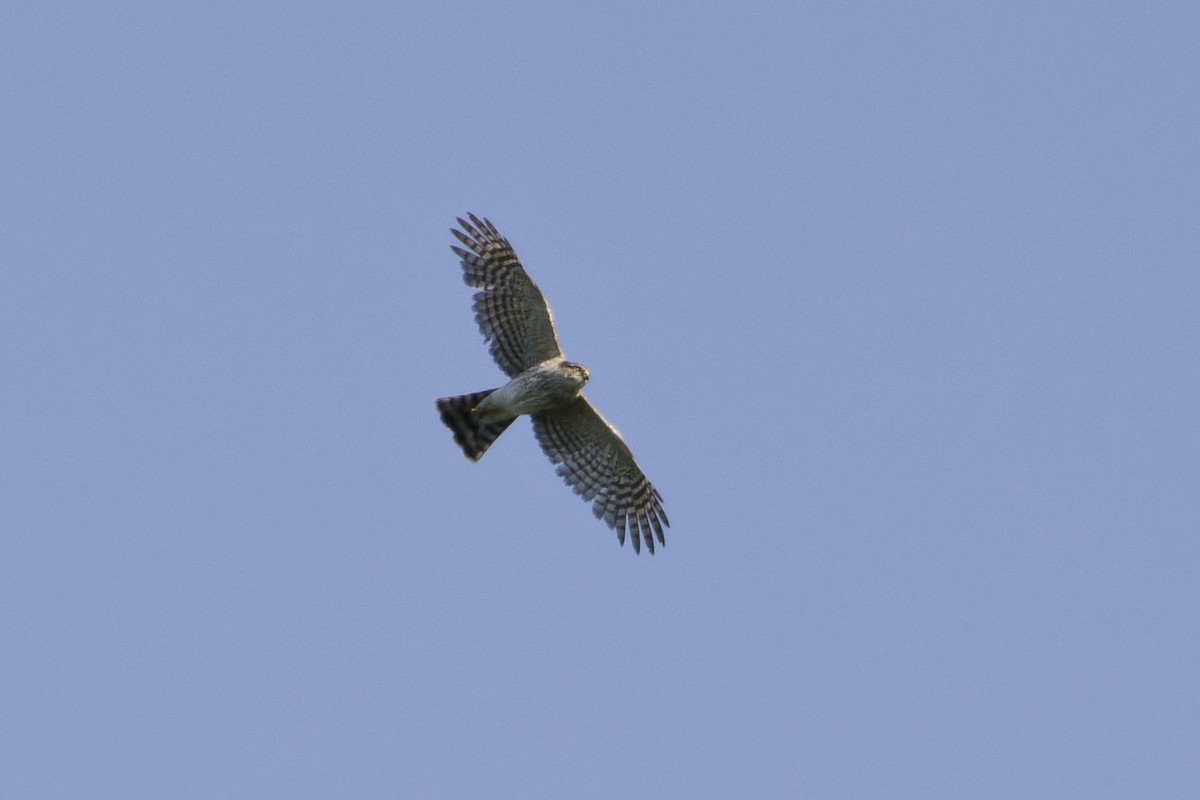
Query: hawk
(515,320)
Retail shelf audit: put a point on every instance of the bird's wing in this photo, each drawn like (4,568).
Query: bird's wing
(512,314)
(595,461)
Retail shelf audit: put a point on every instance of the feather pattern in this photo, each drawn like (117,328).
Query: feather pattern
(594,460)
(509,308)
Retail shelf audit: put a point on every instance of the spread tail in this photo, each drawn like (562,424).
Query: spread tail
(473,436)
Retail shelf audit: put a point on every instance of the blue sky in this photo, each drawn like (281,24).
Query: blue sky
(895,303)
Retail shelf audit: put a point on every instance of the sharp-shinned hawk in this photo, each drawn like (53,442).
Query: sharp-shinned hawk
(516,322)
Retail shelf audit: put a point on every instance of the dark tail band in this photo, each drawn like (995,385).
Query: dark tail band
(473,436)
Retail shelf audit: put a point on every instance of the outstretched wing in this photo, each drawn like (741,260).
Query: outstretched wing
(595,461)
(509,307)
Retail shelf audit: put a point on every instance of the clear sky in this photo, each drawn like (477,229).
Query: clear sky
(897,304)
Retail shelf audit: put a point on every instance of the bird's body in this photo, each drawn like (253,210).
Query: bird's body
(477,419)
(516,322)
(550,384)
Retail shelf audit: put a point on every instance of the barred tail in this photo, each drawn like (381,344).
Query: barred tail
(473,436)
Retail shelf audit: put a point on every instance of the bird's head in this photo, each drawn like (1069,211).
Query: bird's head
(578,371)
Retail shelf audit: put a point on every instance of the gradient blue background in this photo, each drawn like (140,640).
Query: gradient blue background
(896,303)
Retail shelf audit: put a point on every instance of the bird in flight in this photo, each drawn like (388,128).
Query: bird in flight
(516,323)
